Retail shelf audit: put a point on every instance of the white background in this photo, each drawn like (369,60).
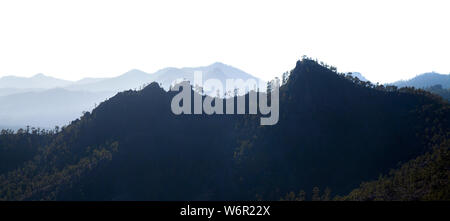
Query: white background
(384,40)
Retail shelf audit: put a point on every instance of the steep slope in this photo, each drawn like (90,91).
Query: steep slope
(333,133)
(424,178)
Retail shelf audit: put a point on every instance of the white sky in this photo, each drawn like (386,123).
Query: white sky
(384,40)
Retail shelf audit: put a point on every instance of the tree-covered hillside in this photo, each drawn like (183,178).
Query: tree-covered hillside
(334,132)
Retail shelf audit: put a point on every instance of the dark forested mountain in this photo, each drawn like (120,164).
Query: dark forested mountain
(133,147)
(426,80)
(16,148)
(334,132)
(423,178)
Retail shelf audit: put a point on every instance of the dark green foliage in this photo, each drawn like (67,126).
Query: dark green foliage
(18,147)
(424,178)
(55,167)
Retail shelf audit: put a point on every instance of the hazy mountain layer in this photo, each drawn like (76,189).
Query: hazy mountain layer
(426,80)
(37,81)
(48,108)
(28,101)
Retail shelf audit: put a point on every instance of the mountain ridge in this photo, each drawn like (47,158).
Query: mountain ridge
(142,78)
(36,81)
(425,80)
(98,89)
(333,132)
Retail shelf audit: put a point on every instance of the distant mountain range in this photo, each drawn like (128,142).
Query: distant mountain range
(129,80)
(433,82)
(44,101)
(426,80)
(132,79)
(37,81)
(217,70)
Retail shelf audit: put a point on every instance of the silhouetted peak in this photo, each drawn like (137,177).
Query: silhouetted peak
(311,70)
(154,86)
